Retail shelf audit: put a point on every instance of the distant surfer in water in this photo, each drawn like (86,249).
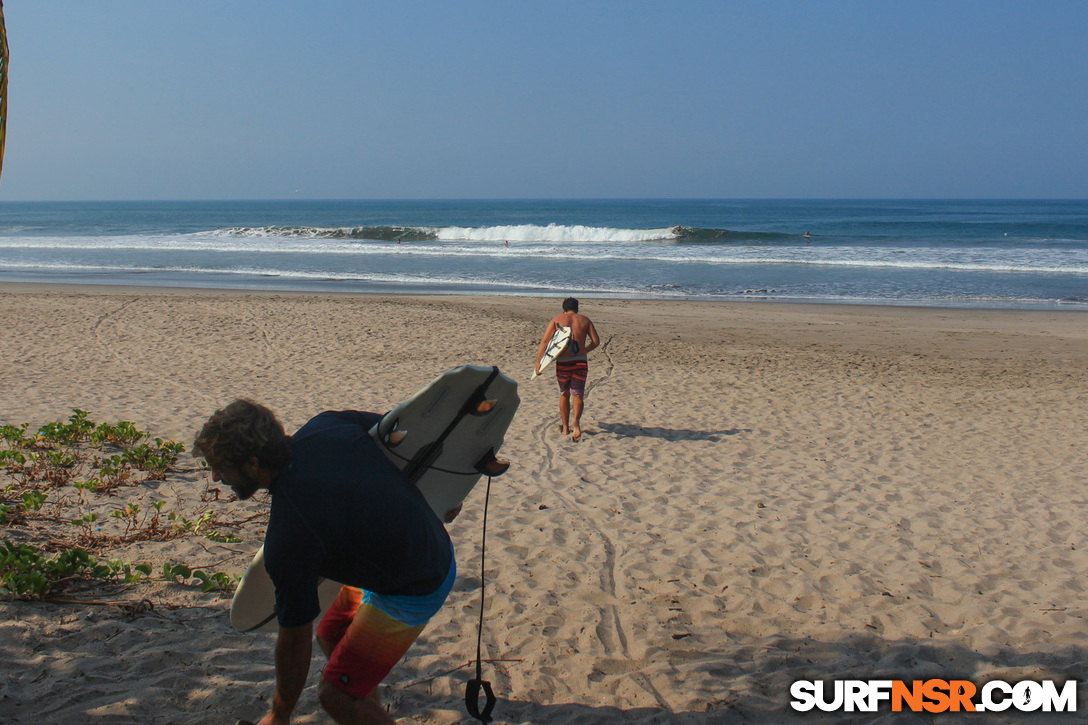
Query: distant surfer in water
(342,511)
(572,365)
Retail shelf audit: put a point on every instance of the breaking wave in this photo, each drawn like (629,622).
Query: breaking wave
(552,233)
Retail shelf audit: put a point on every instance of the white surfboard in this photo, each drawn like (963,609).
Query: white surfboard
(253,608)
(556,345)
(444,438)
(440,438)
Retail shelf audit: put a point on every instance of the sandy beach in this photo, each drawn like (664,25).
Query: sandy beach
(764,493)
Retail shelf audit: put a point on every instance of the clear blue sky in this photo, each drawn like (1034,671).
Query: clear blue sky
(207,99)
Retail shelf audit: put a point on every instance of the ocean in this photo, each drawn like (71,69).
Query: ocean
(995,254)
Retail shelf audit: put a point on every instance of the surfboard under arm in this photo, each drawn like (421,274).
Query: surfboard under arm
(556,345)
(451,431)
(426,455)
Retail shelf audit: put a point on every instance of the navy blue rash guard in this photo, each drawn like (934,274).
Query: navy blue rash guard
(341,510)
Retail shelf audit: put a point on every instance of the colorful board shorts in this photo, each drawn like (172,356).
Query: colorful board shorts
(372,632)
(572,375)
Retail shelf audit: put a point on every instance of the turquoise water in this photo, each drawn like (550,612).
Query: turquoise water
(954,253)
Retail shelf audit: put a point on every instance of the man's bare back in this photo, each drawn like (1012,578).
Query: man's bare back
(580,328)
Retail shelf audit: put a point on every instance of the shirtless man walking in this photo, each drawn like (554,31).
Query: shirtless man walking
(572,366)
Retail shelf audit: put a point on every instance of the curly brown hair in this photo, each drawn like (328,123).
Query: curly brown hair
(241,430)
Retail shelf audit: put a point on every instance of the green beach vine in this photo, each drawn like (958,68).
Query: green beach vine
(63,503)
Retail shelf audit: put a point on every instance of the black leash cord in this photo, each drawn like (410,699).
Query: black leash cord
(472,689)
(483,554)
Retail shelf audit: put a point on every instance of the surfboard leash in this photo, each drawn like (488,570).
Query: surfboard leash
(474,686)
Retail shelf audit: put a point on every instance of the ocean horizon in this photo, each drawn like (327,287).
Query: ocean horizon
(932,252)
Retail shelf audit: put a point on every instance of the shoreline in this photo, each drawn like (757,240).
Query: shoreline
(391,292)
(766,492)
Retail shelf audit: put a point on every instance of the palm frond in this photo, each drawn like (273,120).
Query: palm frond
(3,84)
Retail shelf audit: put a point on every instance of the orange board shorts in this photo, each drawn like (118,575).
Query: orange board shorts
(371,633)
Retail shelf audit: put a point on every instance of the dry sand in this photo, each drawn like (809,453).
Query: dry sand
(765,493)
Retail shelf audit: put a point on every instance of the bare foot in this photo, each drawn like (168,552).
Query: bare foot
(564,429)
(577,435)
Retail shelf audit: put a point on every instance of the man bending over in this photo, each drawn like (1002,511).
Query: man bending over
(341,511)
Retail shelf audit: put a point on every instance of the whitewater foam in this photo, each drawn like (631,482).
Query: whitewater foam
(552,233)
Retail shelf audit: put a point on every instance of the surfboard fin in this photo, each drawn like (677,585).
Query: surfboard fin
(489,465)
(477,403)
(485,407)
